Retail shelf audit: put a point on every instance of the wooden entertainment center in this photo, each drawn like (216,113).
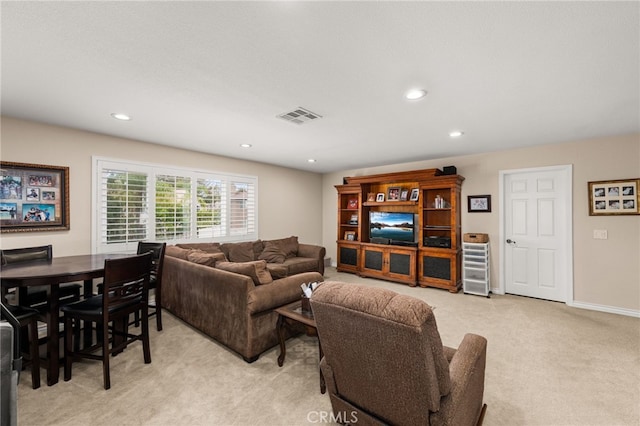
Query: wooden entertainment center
(431,257)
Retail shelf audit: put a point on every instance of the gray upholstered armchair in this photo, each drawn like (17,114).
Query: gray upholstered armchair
(384,362)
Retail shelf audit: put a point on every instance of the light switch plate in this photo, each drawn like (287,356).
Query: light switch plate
(599,234)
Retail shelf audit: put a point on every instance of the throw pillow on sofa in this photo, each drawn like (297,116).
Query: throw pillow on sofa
(272,253)
(242,252)
(207,259)
(256,269)
(179,252)
(288,245)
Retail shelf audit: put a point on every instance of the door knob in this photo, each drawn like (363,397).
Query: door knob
(510,241)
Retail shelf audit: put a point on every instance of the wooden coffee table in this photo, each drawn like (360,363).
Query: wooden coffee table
(293,317)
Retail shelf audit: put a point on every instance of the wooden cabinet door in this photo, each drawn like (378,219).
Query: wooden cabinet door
(401,264)
(389,262)
(348,257)
(440,268)
(374,261)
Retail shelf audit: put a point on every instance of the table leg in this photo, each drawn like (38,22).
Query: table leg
(283,348)
(53,344)
(88,325)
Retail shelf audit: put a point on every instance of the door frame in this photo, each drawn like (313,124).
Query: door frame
(567,171)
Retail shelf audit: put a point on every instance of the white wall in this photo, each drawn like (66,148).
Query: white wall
(606,272)
(288,201)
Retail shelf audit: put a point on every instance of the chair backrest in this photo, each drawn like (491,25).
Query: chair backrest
(126,281)
(157,250)
(27,254)
(383,349)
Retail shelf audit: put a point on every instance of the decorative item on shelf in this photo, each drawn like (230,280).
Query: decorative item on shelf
(350,235)
(439,202)
(479,203)
(404,195)
(353,220)
(307,292)
(415,193)
(371,196)
(614,197)
(352,204)
(449,170)
(380,197)
(475,238)
(394,193)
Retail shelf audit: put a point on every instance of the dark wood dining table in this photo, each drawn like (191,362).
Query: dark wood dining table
(52,273)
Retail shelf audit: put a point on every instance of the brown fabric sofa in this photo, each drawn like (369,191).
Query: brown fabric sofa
(284,256)
(233,301)
(384,362)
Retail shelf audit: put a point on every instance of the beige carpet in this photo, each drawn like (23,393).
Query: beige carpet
(547,364)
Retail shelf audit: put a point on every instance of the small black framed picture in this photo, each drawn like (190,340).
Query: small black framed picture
(479,203)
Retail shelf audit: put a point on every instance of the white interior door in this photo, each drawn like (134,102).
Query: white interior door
(536,233)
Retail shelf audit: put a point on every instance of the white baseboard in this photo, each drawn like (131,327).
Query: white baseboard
(592,307)
(604,308)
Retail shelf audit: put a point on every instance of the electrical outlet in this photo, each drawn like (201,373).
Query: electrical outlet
(599,234)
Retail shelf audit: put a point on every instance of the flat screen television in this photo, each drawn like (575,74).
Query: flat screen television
(393,226)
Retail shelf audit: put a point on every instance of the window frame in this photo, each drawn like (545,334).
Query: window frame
(99,164)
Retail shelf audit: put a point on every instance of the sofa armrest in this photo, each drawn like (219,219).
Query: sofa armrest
(313,252)
(280,292)
(464,403)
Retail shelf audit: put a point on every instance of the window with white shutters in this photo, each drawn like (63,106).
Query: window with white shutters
(137,202)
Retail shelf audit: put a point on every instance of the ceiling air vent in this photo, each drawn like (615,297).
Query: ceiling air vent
(299,116)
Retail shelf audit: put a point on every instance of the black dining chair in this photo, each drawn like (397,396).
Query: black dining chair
(36,296)
(28,320)
(125,291)
(155,281)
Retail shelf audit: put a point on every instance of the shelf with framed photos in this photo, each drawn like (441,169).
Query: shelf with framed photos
(349,223)
(412,192)
(440,255)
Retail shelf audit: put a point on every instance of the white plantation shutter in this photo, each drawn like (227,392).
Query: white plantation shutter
(123,207)
(137,202)
(212,208)
(173,208)
(242,219)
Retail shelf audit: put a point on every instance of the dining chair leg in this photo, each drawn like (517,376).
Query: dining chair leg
(35,354)
(146,347)
(105,356)
(158,316)
(68,347)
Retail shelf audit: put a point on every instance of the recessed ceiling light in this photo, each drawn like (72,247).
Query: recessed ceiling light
(311,160)
(120,116)
(245,145)
(456,134)
(415,94)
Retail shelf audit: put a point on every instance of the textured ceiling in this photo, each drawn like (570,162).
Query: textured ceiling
(209,76)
